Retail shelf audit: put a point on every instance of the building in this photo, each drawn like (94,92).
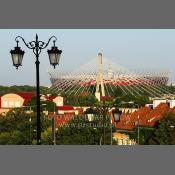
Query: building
(145,116)
(14,100)
(101,77)
(123,139)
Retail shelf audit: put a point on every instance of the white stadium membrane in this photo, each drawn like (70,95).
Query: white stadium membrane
(103,76)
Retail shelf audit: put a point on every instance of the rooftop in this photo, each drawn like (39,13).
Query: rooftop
(147,117)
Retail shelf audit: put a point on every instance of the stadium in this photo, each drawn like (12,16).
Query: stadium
(103,78)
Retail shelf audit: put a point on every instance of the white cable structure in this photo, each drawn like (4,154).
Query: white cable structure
(106,77)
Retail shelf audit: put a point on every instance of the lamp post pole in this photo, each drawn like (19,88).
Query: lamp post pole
(105,110)
(138,131)
(111,131)
(104,120)
(37,46)
(38,92)
(30,120)
(54,127)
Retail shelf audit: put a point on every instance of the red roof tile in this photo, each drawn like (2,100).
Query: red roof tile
(125,122)
(147,117)
(65,108)
(27,96)
(157,114)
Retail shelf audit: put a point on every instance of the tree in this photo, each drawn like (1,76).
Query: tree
(17,129)
(79,131)
(145,133)
(46,137)
(165,131)
(24,88)
(139,100)
(80,100)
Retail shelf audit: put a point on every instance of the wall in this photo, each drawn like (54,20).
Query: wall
(11,101)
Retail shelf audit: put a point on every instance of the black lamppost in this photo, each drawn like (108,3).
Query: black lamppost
(91,114)
(103,110)
(37,46)
(138,130)
(116,115)
(54,126)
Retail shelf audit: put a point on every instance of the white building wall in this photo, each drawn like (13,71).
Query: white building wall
(172,103)
(59,101)
(156,102)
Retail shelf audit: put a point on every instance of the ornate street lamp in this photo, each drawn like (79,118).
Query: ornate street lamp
(116,115)
(91,114)
(17,56)
(36,46)
(54,55)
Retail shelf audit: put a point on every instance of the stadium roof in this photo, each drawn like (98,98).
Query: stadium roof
(114,77)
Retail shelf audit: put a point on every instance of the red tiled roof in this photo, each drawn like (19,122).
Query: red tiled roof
(147,117)
(125,122)
(27,96)
(0,101)
(142,112)
(157,114)
(65,108)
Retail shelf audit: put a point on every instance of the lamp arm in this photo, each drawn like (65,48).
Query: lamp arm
(43,45)
(27,45)
(34,44)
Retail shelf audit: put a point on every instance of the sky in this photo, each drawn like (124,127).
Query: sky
(130,48)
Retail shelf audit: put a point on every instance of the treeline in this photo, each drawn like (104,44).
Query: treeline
(24,88)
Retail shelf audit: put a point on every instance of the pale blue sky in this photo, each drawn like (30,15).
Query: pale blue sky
(130,48)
